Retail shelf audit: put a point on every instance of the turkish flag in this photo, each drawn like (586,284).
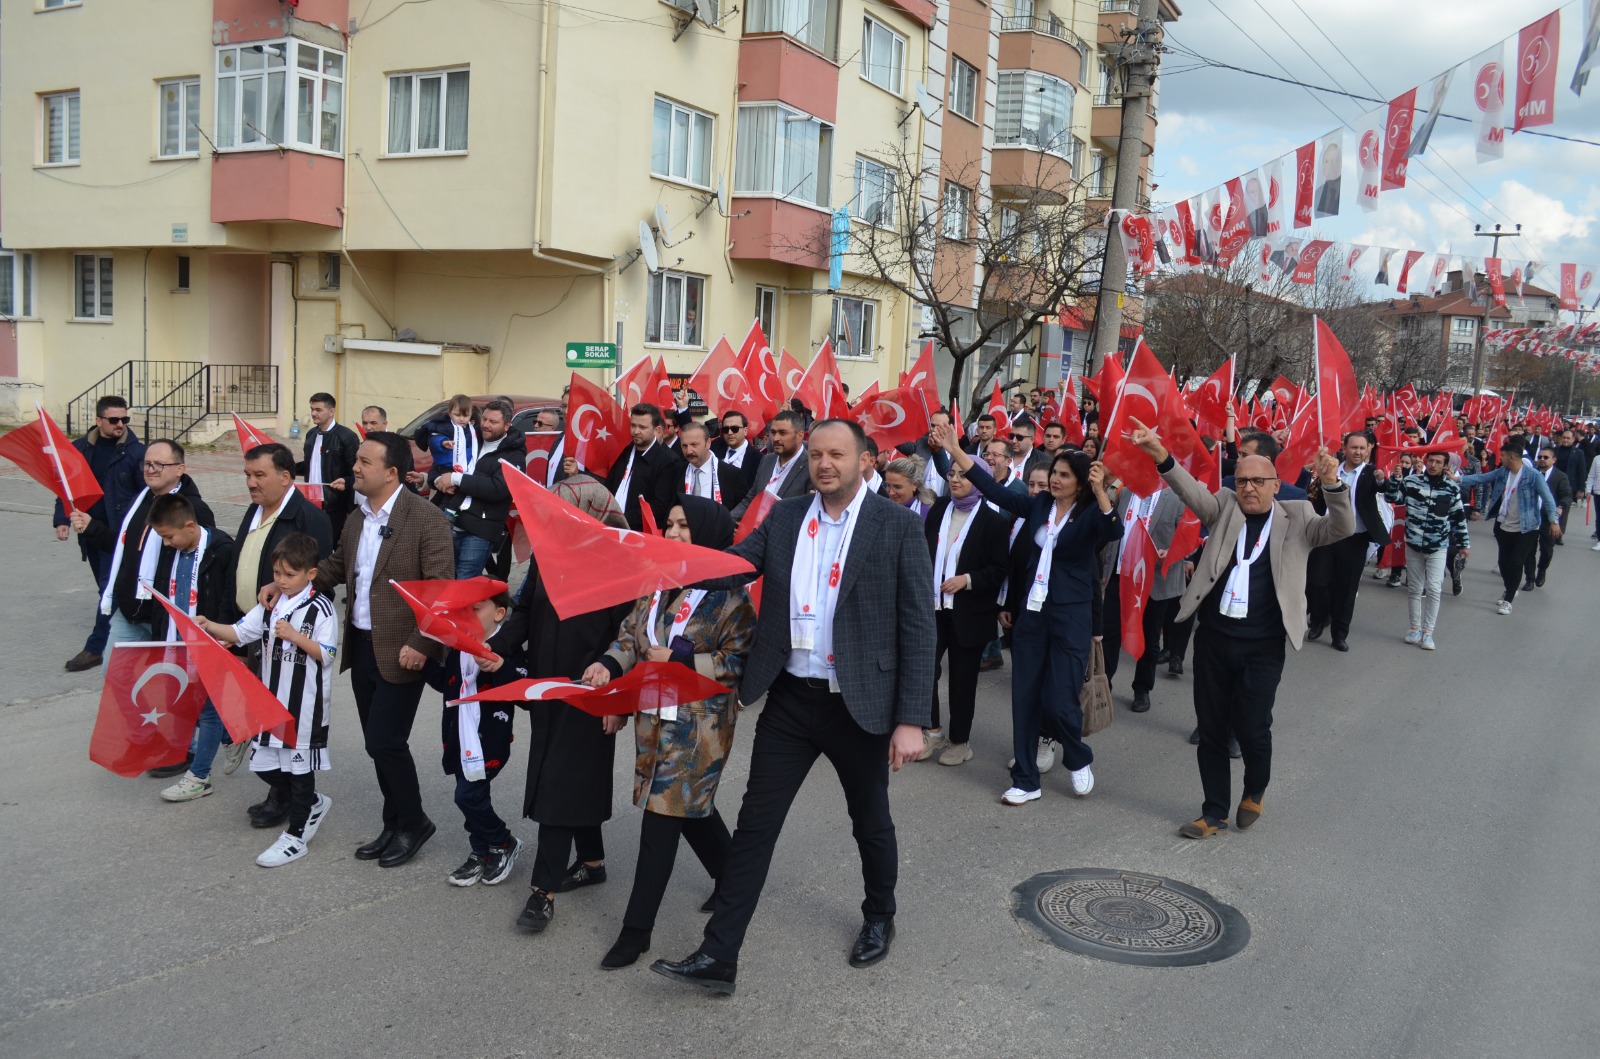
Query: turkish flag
(587,566)
(760,367)
(1070,417)
(647,686)
(894,417)
(924,377)
(596,441)
(245,705)
(1338,394)
(1135,572)
(1397,139)
(43,451)
(1210,401)
(1537,47)
(1148,395)
(1305,172)
(755,514)
(997,408)
(868,395)
(249,436)
(1185,539)
(1286,395)
(149,706)
(444,610)
(790,374)
(539,444)
(719,380)
(1302,444)
(819,388)
(636,385)
(311,491)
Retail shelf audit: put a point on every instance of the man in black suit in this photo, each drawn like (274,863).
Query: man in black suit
(647,472)
(844,653)
(330,456)
(735,448)
(1561,488)
(1025,455)
(784,472)
(704,474)
(1333,571)
(982,434)
(476,498)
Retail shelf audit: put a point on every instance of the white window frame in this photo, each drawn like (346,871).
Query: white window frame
(861,345)
(187,102)
(955,212)
(893,65)
(72,101)
(414,79)
(279,128)
(19,267)
(1022,117)
(767,310)
(657,288)
(701,130)
(963,89)
(58,5)
(1463,325)
(779,186)
(796,19)
(99,270)
(876,183)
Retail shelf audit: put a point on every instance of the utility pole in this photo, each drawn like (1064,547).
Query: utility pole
(1572,378)
(1477,349)
(1141,55)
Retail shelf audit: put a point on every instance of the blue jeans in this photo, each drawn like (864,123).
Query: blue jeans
(100,567)
(124,631)
(209,735)
(472,554)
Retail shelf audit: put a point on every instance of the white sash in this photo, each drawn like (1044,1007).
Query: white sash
(1236,592)
(806,610)
(680,620)
(189,604)
(1040,589)
(314,464)
(948,555)
(627,476)
(478,453)
(116,557)
(780,470)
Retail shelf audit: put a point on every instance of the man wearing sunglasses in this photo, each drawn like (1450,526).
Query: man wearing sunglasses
(116,456)
(735,448)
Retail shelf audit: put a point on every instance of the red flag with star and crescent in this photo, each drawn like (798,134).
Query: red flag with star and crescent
(1338,395)
(597,427)
(149,706)
(1147,395)
(42,450)
(923,376)
(647,686)
(249,436)
(997,409)
(1136,573)
(723,386)
(245,705)
(894,417)
(760,367)
(1211,401)
(819,388)
(444,610)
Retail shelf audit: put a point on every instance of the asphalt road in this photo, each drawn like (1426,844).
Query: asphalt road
(1422,883)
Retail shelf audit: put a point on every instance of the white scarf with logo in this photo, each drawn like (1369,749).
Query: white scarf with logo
(186,605)
(680,620)
(948,555)
(806,610)
(468,714)
(1236,591)
(1040,589)
(116,557)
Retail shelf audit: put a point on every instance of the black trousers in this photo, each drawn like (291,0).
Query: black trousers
(1539,556)
(555,849)
(1516,550)
(1333,576)
(1155,617)
(1175,634)
(801,721)
(387,712)
(1235,686)
(965,663)
(484,827)
(658,852)
(299,792)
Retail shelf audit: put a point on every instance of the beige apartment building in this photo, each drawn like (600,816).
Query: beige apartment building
(220,205)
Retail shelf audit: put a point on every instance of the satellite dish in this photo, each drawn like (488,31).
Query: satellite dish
(722,196)
(925,102)
(663,225)
(647,247)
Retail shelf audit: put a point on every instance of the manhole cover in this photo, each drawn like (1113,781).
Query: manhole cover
(1130,918)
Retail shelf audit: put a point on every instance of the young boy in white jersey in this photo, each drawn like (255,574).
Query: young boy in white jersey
(299,638)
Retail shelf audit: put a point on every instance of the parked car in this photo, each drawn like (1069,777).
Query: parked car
(526,408)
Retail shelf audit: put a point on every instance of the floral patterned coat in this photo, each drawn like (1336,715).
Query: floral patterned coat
(679,763)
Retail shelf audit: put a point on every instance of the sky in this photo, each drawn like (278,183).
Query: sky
(1216,124)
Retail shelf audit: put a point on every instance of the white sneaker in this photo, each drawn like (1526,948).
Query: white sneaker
(187,789)
(1046,759)
(281,852)
(1018,796)
(1414,636)
(234,756)
(319,812)
(1504,606)
(1596,547)
(1082,780)
(1427,641)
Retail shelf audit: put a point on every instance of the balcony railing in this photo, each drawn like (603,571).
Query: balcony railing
(1051,27)
(213,389)
(1130,6)
(141,383)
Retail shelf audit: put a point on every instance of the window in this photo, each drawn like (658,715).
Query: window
(783,152)
(59,112)
(1083,62)
(767,310)
(704,10)
(811,22)
(854,327)
(1099,185)
(680,144)
(1075,157)
(428,112)
(673,310)
(1034,110)
(180,118)
(883,55)
(963,89)
(1107,94)
(182,279)
(875,188)
(957,207)
(16,284)
(1022,8)
(91,276)
(1463,325)
(254,97)
(330,271)
(51,5)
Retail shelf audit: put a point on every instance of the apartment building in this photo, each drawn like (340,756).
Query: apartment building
(218,205)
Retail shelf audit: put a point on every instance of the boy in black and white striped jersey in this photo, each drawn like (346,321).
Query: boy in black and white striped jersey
(298,638)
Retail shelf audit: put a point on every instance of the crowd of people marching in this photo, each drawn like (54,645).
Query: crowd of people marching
(881,571)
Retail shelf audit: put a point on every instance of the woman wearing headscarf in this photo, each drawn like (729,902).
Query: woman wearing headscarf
(1051,610)
(902,483)
(680,750)
(570,752)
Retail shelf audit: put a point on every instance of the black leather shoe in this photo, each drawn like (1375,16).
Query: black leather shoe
(1341,645)
(1141,702)
(166,772)
(1528,585)
(405,846)
(1194,737)
(1538,582)
(1175,667)
(375,849)
(872,944)
(630,945)
(538,912)
(701,970)
(1315,632)
(711,903)
(1162,655)
(273,816)
(84,660)
(581,874)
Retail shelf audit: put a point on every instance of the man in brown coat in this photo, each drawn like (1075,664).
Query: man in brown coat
(401,537)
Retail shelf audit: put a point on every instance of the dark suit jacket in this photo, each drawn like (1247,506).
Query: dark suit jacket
(883,635)
(796,481)
(486,485)
(1561,489)
(657,478)
(299,516)
(731,479)
(984,555)
(213,584)
(752,462)
(339,445)
(417,548)
(1365,499)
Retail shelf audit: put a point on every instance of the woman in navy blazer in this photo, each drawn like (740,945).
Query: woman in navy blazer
(1050,644)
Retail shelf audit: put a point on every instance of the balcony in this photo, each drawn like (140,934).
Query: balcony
(773,229)
(276,186)
(1043,44)
(1024,171)
(779,68)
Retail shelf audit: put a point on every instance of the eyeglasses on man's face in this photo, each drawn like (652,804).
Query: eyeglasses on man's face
(153,466)
(731,430)
(118,420)
(1253,483)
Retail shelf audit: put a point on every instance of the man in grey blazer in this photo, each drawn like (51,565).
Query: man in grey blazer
(844,653)
(784,471)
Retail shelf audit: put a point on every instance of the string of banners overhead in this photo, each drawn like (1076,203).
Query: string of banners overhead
(1551,342)
(1213,229)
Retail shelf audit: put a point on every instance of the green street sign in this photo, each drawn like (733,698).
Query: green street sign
(591,354)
